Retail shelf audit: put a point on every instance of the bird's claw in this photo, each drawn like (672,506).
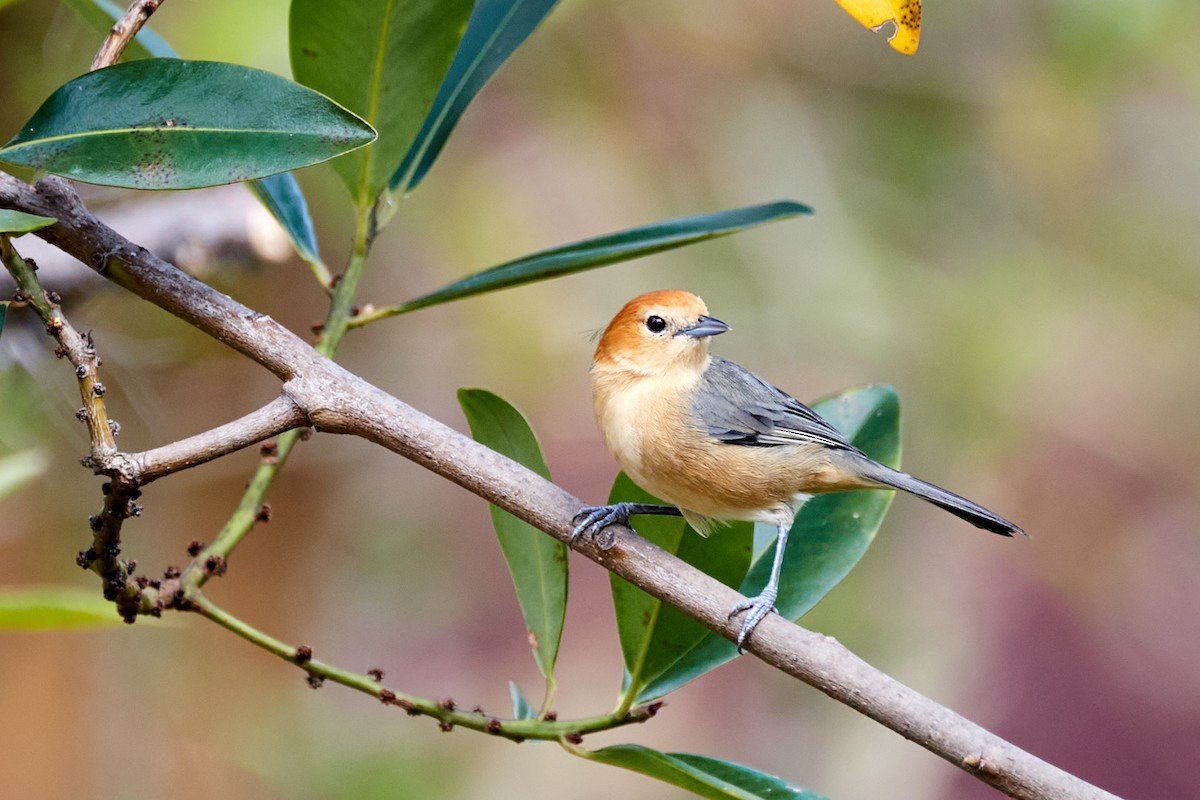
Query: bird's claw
(594,519)
(757,609)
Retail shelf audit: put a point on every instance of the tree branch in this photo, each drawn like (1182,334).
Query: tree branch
(338,401)
(119,496)
(280,415)
(132,267)
(123,31)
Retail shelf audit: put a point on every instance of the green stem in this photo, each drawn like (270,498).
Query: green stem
(548,703)
(345,288)
(366,317)
(249,509)
(321,273)
(444,711)
(625,701)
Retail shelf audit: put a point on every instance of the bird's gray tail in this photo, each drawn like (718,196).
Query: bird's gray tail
(960,507)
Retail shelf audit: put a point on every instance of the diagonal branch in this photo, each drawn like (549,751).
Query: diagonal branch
(132,267)
(338,401)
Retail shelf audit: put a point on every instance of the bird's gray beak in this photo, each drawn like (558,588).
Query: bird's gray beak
(705,326)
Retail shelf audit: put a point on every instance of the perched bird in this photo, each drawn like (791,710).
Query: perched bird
(719,442)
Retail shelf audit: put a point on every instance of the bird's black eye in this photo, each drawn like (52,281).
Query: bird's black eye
(656,324)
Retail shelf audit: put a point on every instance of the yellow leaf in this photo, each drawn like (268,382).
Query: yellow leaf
(877,13)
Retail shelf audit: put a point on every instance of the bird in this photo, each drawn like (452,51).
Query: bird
(719,443)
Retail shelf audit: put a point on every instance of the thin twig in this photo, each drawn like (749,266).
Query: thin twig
(79,233)
(251,510)
(77,348)
(123,31)
(445,711)
(280,415)
(338,401)
(120,496)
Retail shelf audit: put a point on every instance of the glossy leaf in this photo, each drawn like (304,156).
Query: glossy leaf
(655,635)
(830,535)
(20,222)
(905,14)
(382,59)
(17,469)
(54,608)
(707,777)
(173,124)
(101,14)
(609,249)
(537,562)
(521,707)
(496,29)
(282,196)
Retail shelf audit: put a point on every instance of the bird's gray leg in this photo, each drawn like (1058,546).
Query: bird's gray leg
(593,519)
(757,608)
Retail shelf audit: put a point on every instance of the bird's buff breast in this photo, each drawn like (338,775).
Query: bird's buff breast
(628,412)
(659,444)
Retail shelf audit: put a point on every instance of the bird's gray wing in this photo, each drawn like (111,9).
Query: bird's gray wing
(736,406)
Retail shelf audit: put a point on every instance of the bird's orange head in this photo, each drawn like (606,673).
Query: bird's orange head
(657,333)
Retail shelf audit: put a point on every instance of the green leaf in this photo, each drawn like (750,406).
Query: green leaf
(496,29)
(707,777)
(20,222)
(282,196)
(101,14)
(54,607)
(655,635)
(279,193)
(538,562)
(521,707)
(609,249)
(3,312)
(382,59)
(17,469)
(171,124)
(831,532)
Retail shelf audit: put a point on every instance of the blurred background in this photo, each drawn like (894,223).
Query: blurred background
(1006,231)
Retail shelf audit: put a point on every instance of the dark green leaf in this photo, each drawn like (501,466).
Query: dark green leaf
(830,535)
(101,14)
(538,562)
(521,707)
(495,30)
(20,222)
(655,635)
(3,314)
(282,196)
(707,777)
(54,607)
(382,59)
(279,193)
(609,249)
(172,124)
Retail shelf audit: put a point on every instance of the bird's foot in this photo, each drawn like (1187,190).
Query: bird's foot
(594,519)
(756,608)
